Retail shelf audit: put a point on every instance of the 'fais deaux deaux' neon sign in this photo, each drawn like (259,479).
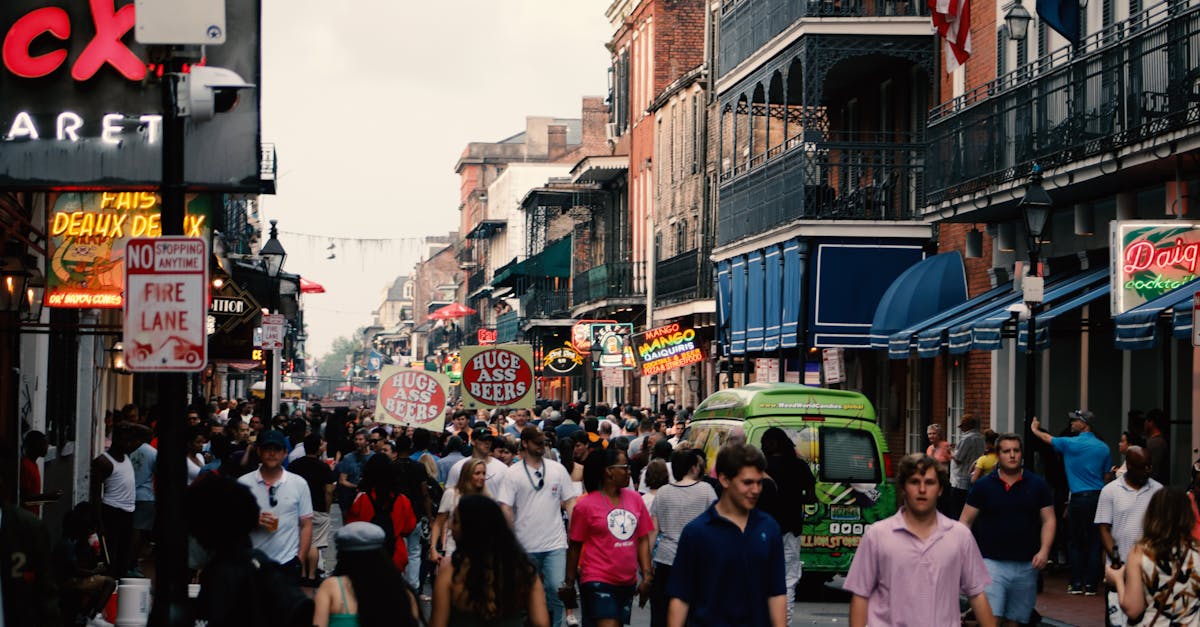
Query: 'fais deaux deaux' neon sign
(1151,259)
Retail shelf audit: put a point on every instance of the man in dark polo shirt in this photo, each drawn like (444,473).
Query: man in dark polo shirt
(729,566)
(1011,512)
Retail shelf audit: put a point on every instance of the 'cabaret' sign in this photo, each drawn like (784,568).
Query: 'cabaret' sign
(666,348)
(412,398)
(1150,259)
(497,376)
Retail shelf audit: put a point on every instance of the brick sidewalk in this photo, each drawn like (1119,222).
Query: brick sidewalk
(1059,608)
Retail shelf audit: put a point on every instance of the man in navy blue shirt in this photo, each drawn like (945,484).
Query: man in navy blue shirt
(729,565)
(1087,460)
(1011,512)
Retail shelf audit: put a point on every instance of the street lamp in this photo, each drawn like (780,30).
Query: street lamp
(273,255)
(652,386)
(1035,206)
(1017,20)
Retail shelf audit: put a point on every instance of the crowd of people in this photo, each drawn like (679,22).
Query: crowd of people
(560,515)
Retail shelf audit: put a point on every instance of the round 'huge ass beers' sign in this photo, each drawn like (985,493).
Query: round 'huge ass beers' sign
(497,377)
(411,397)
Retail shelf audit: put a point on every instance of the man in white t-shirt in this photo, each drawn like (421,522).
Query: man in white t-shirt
(481,448)
(533,494)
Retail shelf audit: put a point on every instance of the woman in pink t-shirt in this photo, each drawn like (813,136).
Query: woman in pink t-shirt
(609,542)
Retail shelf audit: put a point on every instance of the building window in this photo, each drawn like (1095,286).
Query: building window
(956,392)
(697,129)
(915,424)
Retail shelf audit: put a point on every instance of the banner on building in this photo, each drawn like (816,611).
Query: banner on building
(85,255)
(497,376)
(611,339)
(1149,259)
(412,398)
(563,361)
(666,348)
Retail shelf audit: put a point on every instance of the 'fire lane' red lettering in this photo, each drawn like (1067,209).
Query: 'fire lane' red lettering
(106,46)
(52,20)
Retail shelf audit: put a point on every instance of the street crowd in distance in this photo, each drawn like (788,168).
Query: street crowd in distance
(571,514)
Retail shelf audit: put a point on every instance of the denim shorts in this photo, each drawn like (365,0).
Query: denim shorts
(604,600)
(1013,591)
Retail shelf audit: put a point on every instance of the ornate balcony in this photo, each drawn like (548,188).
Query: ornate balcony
(683,277)
(1132,82)
(612,280)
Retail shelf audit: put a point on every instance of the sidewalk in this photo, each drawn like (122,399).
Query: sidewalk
(1059,608)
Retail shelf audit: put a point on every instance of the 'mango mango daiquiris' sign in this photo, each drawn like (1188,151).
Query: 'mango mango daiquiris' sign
(1150,259)
(666,348)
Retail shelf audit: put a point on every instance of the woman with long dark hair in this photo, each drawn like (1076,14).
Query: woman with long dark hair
(380,491)
(361,592)
(489,580)
(1159,579)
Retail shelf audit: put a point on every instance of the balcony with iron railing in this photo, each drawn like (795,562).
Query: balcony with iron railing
(476,280)
(1132,83)
(685,276)
(826,180)
(747,25)
(617,279)
(544,303)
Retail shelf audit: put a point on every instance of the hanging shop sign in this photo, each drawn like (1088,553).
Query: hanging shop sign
(231,305)
(666,348)
(88,232)
(485,336)
(412,398)
(581,334)
(497,376)
(563,361)
(167,283)
(611,339)
(82,104)
(1150,259)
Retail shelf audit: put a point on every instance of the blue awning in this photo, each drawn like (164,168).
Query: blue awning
(930,286)
(789,323)
(774,294)
(928,335)
(1046,317)
(755,295)
(1138,328)
(737,320)
(985,331)
(850,280)
(724,307)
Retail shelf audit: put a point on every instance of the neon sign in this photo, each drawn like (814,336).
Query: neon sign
(1150,259)
(666,348)
(114,127)
(105,48)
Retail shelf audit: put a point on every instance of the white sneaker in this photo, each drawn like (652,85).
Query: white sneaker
(99,621)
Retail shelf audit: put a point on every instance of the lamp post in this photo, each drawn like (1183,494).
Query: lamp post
(273,256)
(1017,19)
(652,387)
(1035,207)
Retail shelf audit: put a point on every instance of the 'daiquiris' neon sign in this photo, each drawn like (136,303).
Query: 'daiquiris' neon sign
(1150,259)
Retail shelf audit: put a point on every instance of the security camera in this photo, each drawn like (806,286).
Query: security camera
(207,91)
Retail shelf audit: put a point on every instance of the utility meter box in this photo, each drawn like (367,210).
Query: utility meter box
(180,22)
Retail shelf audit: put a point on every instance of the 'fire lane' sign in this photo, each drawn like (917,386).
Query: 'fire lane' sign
(166,304)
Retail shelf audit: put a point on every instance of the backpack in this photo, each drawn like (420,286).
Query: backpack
(278,600)
(383,518)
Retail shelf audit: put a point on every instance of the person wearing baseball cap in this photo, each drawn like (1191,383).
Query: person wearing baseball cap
(284,530)
(481,448)
(1086,460)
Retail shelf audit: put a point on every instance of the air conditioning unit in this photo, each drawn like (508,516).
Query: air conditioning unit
(611,131)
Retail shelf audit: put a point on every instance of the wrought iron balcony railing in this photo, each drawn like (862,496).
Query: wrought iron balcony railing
(685,276)
(612,280)
(476,280)
(822,181)
(1134,81)
(545,303)
(747,25)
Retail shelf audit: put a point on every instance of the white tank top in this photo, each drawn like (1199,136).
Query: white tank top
(120,487)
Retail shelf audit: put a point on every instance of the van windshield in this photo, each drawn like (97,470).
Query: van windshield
(849,456)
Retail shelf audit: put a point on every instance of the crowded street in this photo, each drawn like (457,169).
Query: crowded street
(592,313)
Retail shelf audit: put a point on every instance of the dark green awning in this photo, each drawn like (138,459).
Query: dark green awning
(553,261)
(506,275)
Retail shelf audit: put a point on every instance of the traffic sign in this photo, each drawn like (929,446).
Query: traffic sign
(272,331)
(166,302)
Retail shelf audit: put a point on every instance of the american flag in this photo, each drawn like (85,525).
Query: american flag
(952,20)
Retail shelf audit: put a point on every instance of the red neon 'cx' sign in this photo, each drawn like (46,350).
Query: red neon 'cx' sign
(105,47)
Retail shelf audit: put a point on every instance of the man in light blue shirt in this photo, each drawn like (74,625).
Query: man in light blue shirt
(144,460)
(284,530)
(1087,460)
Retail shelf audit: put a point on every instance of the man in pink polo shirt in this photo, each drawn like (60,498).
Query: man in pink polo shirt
(910,568)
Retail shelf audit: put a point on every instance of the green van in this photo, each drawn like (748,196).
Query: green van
(836,433)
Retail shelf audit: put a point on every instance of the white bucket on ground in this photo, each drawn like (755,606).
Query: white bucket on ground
(133,602)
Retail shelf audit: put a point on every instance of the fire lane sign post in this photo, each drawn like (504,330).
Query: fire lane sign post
(166,304)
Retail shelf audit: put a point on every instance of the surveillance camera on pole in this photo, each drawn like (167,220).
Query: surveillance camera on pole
(207,91)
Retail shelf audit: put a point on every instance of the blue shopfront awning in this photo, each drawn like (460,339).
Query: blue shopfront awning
(853,277)
(928,335)
(984,332)
(1138,328)
(1044,318)
(932,285)
(737,317)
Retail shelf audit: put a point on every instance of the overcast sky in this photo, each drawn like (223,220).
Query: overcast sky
(370,103)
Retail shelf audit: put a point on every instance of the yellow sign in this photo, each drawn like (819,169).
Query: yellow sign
(499,375)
